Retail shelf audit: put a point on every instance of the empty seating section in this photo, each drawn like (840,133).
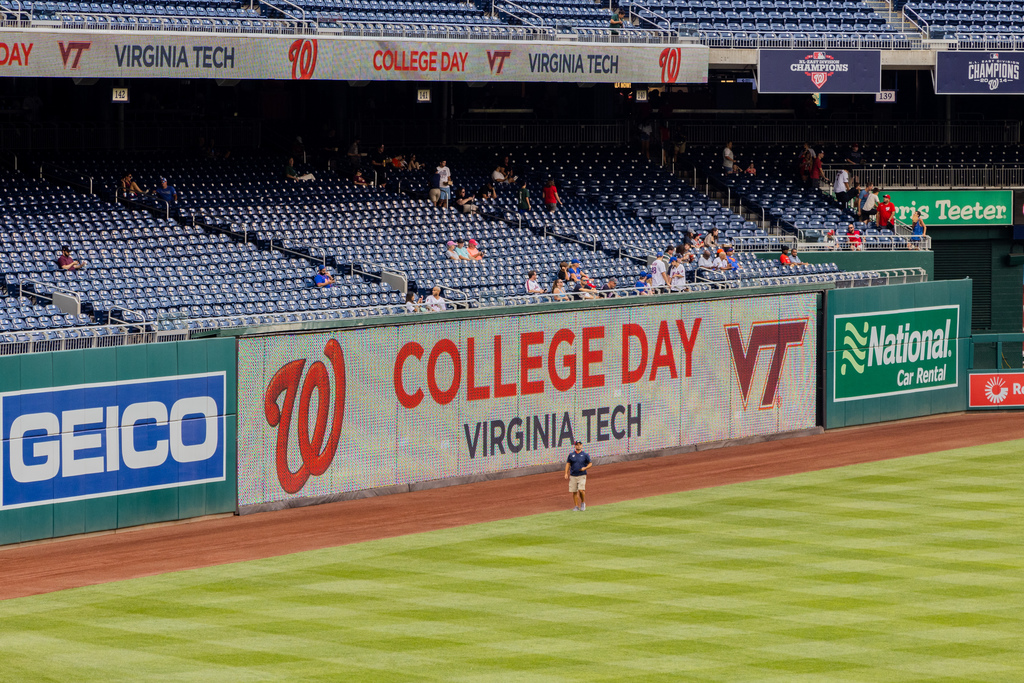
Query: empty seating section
(949,19)
(243,242)
(766,16)
(778,18)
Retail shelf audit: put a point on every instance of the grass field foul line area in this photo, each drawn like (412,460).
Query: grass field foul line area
(902,570)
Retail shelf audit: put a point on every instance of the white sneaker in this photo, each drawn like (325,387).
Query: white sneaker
(576,509)
(583,507)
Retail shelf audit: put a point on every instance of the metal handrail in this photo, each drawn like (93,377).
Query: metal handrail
(633,3)
(497,8)
(754,39)
(177,23)
(49,285)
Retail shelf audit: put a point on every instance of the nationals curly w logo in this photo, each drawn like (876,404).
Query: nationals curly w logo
(669,61)
(316,454)
(302,54)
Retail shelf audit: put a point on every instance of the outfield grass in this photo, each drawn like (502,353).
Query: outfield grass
(906,570)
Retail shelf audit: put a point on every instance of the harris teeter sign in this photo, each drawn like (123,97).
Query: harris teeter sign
(895,352)
(954,207)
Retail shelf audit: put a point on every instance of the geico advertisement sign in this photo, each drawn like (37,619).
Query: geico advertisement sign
(895,352)
(169,55)
(996,390)
(363,408)
(94,440)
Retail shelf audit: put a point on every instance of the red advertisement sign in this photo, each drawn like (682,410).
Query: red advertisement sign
(996,390)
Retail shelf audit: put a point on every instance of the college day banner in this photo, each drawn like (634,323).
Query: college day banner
(353,409)
(163,55)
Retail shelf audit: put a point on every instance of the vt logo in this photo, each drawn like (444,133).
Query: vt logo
(773,337)
(498,57)
(76,47)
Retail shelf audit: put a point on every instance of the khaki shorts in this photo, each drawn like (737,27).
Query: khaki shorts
(577,484)
(434,195)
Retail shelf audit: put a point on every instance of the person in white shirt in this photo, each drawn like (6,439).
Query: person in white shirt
(532,286)
(728,160)
(444,172)
(720,262)
(451,253)
(841,186)
(498,176)
(705,260)
(411,303)
(434,302)
(678,274)
(658,269)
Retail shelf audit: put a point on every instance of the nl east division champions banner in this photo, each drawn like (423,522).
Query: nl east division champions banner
(979,73)
(812,71)
(150,55)
(353,409)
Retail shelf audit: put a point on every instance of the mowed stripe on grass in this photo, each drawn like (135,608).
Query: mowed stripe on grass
(901,570)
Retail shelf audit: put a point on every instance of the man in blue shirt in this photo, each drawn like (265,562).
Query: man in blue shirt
(323,278)
(576,466)
(167,192)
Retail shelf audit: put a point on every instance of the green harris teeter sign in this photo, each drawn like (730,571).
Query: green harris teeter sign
(895,352)
(954,207)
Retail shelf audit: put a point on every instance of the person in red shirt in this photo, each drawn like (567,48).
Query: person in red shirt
(551,198)
(65,262)
(886,211)
(816,170)
(853,235)
(784,257)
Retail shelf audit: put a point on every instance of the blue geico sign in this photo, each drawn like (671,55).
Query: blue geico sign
(93,440)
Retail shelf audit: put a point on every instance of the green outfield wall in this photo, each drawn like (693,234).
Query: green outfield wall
(101,439)
(896,352)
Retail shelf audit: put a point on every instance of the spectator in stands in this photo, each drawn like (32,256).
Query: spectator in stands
(523,198)
(354,157)
(487,191)
(498,176)
(446,191)
(618,19)
(854,156)
(805,162)
(869,207)
(887,214)
(646,131)
(659,271)
(466,203)
(435,302)
(730,257)
(291,174)
(711,240)
(677,275)
(359,180)
(462,250)
(66,262)
(587,289)
(379,160)
(643,283)
(728,160)
(751,169)
(841,186)
(853,236)
(414,165)
(129,187)
(474,252)
(721,263)
(862,197)
(574,272)
(920,230)
(609,287)
(705,260)
(451,253)
(532,286)
(167,192)
(784,257)
(551,198)
(399,162)
(815,179)
(412,304)
(794,257)
(434,193)
(444,172)
(323,278)
(558,289)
